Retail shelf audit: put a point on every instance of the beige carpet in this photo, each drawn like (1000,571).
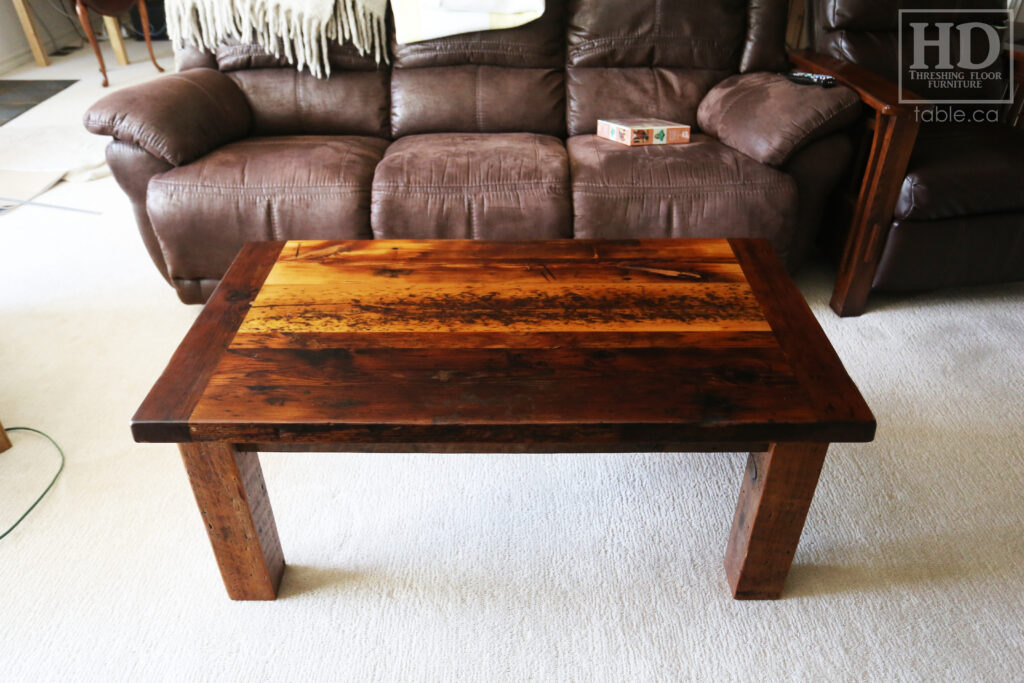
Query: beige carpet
(524,567)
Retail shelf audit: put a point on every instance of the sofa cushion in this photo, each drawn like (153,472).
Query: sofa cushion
(538,44)
(233,55)
(287,102)
(700,189)
(682,33)
(490,186)
(972,170)
(642,92)
(301,187)
(768,118)
(477,99)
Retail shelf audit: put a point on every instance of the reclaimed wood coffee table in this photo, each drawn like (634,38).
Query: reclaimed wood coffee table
(459,346)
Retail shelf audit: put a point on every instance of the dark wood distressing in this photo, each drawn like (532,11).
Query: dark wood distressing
(462,346)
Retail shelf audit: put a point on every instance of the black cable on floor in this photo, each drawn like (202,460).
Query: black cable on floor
(52,481)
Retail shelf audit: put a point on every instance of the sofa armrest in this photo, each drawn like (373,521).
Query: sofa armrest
(769,118)
(177,118)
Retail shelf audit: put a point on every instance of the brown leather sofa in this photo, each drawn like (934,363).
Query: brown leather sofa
(941,203)
(485,135)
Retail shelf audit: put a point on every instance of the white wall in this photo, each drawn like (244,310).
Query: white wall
(14,49)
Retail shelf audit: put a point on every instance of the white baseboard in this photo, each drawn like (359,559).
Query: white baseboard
(12,61)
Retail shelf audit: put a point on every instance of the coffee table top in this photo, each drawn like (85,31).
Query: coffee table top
(450,344)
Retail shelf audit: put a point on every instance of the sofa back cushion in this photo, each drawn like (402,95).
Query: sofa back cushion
(486,82)
(657,58)
(354,100)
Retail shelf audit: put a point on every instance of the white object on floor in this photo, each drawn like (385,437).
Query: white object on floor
(17,187)
(417,20)
(69,150)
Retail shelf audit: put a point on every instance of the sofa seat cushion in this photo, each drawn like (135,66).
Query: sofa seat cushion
(700,189)
(294,187)
(470,185)
(966,171)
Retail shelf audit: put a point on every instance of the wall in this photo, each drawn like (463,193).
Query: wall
(14,49)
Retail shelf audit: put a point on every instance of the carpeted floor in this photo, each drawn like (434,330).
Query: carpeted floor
(483,567)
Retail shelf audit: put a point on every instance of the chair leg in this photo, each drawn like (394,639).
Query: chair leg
(83,16)
(144,20)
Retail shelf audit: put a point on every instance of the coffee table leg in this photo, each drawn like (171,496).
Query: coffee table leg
(776,494)
(232,497)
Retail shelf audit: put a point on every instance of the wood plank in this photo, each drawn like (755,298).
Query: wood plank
(399,292)
(315,274)
(815,363)
(163,415)
(680,308)
(232,497)
(545,438)
(776,494)
(340,366)
(502,340)
(511,400)
(448,251)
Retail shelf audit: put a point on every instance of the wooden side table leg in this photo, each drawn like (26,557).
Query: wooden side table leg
(113,27)
(776,494)
(5,442)
(232,497)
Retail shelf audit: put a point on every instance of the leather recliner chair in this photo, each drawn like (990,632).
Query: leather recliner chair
(484,135)
(941,203)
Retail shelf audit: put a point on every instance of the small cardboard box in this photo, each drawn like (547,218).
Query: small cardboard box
(634,132)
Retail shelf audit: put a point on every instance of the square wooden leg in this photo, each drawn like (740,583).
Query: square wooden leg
(232,497)
(774,500)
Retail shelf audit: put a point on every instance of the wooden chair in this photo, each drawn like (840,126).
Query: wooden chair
(109,9)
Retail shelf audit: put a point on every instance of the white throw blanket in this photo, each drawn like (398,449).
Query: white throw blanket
(417,20)
(301,30)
